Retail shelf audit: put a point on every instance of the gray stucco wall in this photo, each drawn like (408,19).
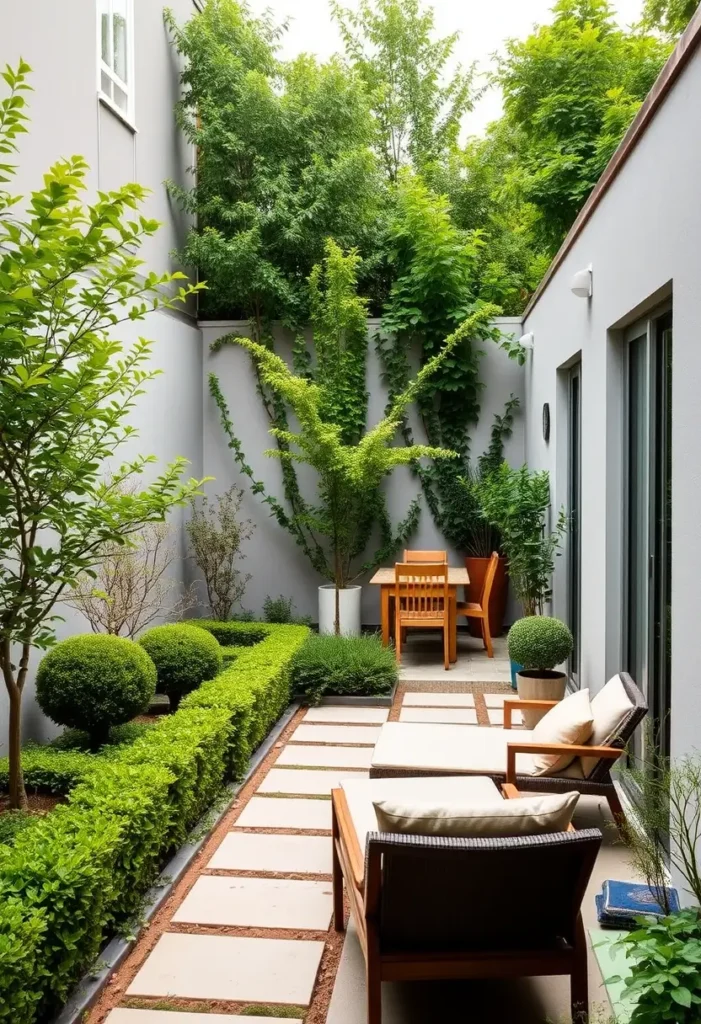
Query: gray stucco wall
(277,565)
(643,244)
(58,40)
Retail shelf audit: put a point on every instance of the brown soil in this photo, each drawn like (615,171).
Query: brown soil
(37,803)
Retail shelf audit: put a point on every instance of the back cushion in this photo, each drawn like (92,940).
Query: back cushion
(610,708)
(570,721)
(527,816)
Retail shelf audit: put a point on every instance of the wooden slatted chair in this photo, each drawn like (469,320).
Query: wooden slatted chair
(421,600)
(425,556)
(480,610)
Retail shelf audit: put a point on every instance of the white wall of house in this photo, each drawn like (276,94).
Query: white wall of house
(278,565)
(59,42)
(643,244)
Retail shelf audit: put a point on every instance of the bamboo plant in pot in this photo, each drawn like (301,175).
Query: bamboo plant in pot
(539,643)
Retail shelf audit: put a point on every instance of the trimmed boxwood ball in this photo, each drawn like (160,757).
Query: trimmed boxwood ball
(95,681)
(539,642)
(185,656)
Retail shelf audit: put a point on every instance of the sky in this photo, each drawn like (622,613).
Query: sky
(483,25)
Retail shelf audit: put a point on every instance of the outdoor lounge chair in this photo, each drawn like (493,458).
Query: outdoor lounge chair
(433,908)
(408,750)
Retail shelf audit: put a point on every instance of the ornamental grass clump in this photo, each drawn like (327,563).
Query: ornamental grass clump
(354,665)
(95,681)
(539,642)
(184,656)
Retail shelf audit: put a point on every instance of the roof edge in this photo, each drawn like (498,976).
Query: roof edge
(678,59)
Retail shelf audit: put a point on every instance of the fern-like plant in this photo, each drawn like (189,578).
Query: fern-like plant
(349,474)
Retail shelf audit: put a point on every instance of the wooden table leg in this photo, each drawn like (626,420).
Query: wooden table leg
(453,624)
(384,609)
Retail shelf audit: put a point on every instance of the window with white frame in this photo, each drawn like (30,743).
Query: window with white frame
(116,53)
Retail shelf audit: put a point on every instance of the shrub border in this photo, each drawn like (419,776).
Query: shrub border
(139,800)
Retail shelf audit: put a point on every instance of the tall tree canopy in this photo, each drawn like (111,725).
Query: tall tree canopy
(418,108)
(285,161)
(670,16)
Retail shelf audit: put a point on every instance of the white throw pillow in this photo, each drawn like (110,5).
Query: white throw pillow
(570,721)
(527,816)
(610,707)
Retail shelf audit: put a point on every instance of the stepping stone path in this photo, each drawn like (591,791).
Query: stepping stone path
(207,951)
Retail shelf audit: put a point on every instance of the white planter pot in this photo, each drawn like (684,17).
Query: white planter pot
(349,609)
(539,684)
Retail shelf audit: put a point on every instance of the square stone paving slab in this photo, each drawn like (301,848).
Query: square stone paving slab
(125,1016)
(227,967)
(254,851)
(297,780)
(365,734)
(460,716)
(439,700)
(347,715)
(278,812)
(257,903)
(496,716)
(325,757)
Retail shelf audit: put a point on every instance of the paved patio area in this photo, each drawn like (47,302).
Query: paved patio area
(422,659)
(248,935)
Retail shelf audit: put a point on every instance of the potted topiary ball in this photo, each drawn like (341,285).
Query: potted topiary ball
(539,643)
(95,681)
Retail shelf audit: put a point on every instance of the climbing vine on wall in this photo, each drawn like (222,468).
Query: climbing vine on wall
(434,266)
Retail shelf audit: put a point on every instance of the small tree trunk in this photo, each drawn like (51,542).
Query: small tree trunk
(338,583)
(18,795)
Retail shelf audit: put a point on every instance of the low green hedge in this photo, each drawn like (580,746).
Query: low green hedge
(234,634)
(77,873)
(358,666)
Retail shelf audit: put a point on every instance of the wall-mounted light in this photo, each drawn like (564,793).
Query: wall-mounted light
(582,283)
(526,340)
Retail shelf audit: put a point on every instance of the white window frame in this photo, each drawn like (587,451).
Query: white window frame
(127,87)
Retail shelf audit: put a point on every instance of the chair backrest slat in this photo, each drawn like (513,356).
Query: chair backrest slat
(421,588)
(425,556)
(489,579)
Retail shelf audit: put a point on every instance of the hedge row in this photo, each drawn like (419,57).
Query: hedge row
(81,871)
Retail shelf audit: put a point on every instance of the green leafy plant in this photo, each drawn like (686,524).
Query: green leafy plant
(216,533)
(69,278)
(359,666)
(235,633)
(12,823)
(516,503)
(665,981)
(349,475)
(671,16)
(22,931)
(279,609)
(539,642)
(418,109)
(93,682)
(184,657)
(284,162)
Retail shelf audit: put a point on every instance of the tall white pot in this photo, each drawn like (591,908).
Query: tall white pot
(349,609)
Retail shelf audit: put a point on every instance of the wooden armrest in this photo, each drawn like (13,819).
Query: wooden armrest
(577,750)
(514,704)
(348,837)
(509,791)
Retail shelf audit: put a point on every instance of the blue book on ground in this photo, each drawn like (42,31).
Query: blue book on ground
(620,903)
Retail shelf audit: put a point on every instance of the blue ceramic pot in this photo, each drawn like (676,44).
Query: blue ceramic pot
(515,667)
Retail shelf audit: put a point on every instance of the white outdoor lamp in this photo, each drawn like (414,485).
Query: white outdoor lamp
(526,340)
(582,283)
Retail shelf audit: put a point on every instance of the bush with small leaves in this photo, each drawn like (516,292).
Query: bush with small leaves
(539,642)
(94,681)
(359,666)
(185,656)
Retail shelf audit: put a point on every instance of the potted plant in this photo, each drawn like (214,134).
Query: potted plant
(539,643)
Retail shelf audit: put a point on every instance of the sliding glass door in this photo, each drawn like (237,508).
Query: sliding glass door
(574,502)
(647,611)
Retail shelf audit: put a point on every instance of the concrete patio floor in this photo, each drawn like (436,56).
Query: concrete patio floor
(422,660)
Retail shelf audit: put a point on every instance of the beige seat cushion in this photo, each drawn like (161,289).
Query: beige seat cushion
(456,818)
(570,721)
(610,707)
(453,749)
(361,794)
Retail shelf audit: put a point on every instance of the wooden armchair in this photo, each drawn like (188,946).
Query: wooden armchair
(429,908)
(421,601)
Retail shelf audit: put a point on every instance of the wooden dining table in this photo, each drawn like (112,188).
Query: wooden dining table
(384,579)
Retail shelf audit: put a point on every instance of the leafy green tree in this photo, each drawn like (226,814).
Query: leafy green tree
(670,16)
(68,278)
(349,475)
(570,91)
(418,110)
(284,161)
